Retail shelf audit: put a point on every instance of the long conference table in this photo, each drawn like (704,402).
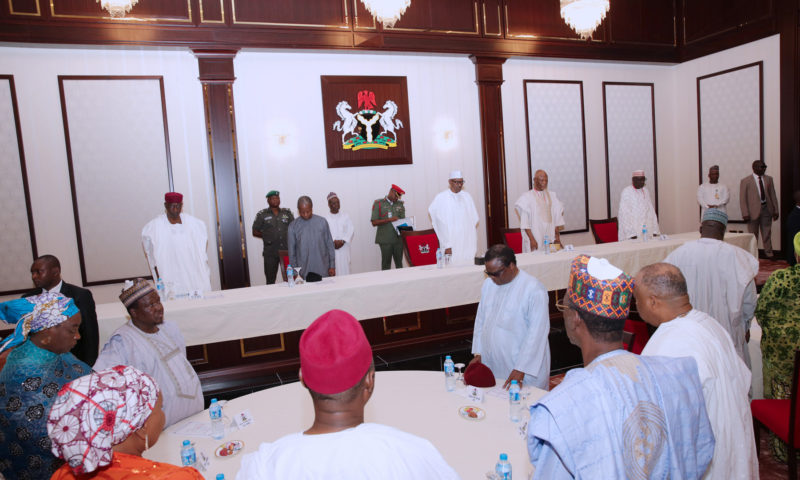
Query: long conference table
(271,309)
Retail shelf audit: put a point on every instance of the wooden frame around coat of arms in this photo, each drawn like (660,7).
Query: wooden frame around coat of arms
(366,121)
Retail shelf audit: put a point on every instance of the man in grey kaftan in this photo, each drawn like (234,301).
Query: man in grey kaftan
(310,242)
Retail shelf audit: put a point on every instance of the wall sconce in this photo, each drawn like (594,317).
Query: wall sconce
(282,138)
(445,134)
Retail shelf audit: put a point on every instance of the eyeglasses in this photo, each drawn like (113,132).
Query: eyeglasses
(496,273)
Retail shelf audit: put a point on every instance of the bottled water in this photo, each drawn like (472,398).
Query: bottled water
(449,374)
(220,476)
(162,294)
(546,245)
(188,457)
(503,468)
(514,402)
(644,232)
(217,425)
(290,275)
(439,258)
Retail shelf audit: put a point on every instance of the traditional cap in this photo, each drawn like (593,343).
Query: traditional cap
(34,314)
(479,375)
(334,353)
(134,290)
(596,286)
(173,197)
(273,192)
(638,173)
(97,411)
(716,215)
(398,189)
(797,244)
(455,174)
(332,195)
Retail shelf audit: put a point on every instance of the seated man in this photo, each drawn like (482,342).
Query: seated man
(622,415)
(156,348)
(336,367)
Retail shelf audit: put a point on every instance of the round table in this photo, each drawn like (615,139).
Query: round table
(413,401)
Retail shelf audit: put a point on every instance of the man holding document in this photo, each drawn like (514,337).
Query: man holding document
(385,211)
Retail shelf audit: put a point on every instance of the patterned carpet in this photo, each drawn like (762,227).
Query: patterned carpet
(765,269)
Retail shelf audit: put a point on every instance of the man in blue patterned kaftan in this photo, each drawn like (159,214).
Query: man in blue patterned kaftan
(622,416)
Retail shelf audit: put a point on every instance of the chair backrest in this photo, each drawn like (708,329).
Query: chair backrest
(283,260)
(420,247)
(513,238)
(795,398)
(605,231)
(627,340)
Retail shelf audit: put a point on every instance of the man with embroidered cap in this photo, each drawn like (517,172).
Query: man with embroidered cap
(455,220)
(512,323)
(663,301)
(337,369)
(272,226)
(155,347)
(342,232)
(622,415)
(720,278)
(636,209)
(713,194)
(385,211)
(541,214)
(175,246)
(310,243)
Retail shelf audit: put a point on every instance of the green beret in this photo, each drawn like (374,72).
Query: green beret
(273,192)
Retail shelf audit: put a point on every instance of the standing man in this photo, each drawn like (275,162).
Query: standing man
(46,276)
(713,194)
(663,301)
(342,232)
(792,227)
(455,219)
(622,415)
(385,211)
(512,323)
(272,226)
(636,209)
(175,246)
(310,243)
(720,278)
(759,204)
(540,213)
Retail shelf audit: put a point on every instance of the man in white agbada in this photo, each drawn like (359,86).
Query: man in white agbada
(175,246)
(342,232)
(636,209)
(713,194)
(512,323)
(455,219)
(155,347)
(720,278)
(336,368)
(540,213)
(663,301)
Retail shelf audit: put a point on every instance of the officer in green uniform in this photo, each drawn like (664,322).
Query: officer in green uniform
(385,211)
(271,225)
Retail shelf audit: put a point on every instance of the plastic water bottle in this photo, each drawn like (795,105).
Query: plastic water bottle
(217,426)
(503,468)
(439,258)
(449,374)
(160,289)
(644,232)
(188,457)
(546,245)
(514,401)
(290,275)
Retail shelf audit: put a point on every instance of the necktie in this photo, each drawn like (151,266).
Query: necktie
(761,187)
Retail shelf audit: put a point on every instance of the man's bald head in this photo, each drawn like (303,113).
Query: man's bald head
(663,280)
(540,180)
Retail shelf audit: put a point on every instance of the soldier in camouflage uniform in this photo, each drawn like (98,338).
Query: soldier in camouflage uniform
(271,225)
(385,211)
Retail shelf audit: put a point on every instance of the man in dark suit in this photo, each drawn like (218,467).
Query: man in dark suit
(792,227)
(46,275)
(759,204)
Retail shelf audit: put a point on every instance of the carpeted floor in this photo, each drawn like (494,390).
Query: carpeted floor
(765,269)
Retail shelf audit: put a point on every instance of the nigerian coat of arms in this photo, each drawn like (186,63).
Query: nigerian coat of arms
(367,128)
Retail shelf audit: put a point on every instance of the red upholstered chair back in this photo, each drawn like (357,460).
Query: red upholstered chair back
(605,231)
(513,238)
(283,261)
(420,247)
(640,335)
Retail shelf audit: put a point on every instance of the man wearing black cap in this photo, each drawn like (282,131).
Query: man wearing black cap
(272,226)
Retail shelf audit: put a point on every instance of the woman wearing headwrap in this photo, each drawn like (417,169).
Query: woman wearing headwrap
(101,423)
(778,314)
(39,364)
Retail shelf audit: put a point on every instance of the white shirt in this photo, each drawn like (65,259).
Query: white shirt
(713,194)
(726,384)
(368,451)
(636,209)
(341,229)
(455,219)
(179,252)
(541,212)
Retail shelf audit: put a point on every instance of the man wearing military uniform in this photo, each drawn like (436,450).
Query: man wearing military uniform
(385,211)
(271,225)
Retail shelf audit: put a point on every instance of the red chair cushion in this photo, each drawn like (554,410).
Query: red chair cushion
(606,232)
(774,414)
(640,334)
(514,240)
(422,249)
(285,261)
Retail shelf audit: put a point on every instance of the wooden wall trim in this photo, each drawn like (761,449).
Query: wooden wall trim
(788,18)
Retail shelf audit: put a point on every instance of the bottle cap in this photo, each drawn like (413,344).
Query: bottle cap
(213,400)
(513,382)
(503,456)
(220,476)
(186,443)
(447,357)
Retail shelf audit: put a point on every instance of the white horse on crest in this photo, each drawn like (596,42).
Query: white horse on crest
(348,122)
(388,123)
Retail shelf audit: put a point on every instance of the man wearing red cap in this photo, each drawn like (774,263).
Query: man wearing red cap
(175,246)
(336,367)
(385,211)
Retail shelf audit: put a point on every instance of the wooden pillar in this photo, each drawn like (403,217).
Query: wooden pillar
(489,77)
(216,75)
(789,29)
